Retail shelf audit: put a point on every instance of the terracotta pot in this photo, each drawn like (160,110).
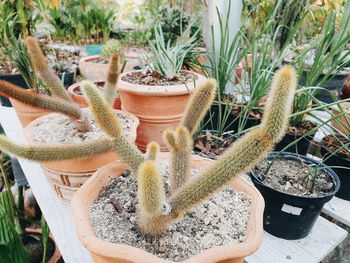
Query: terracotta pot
(67,176)
(106,252)
(157,107)
(27,113)
(98,71)
(56,255)
(342,124)
(75,88)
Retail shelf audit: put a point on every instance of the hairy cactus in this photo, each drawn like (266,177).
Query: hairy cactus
(106,119)
(180,145)
(201,100)
(112,46)
(152,151)
(41,67)
(109,89)
(42,153)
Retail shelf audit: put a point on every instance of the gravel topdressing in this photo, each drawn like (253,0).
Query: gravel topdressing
(222,220)
(59,129)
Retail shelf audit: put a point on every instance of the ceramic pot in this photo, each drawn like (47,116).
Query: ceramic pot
(74,92)
(106,252)
(67,176)
(27,113)
(56,255)
(98,71)
(157,107)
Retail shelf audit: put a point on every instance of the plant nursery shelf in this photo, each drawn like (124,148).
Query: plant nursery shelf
(322,240)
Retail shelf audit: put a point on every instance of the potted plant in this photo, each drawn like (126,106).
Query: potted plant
(158,95)
(20,244)
(108,86)
(95,68)
(335,148)
(155,210)
(66,162)
(295,188)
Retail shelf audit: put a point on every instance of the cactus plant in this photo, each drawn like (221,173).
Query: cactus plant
(112,46)
(109,89)
(155,209)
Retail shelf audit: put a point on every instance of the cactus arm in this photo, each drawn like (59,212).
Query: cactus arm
(106,119)
(39,100)
(41,153)
(152,151)
(50,79)
(199,104)
(109,89)
(180,145)
(247,151)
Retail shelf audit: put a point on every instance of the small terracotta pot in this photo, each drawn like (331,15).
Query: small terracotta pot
(342,124)
(157,107)
(56,255)
(67,176)
(98,71)
(106,252)
(75,88)
(27,113)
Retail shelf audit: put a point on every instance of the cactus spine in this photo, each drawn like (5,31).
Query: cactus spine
(180,145)
(200,102)
(43,153)
(109,89)
(41,67)
(106,119)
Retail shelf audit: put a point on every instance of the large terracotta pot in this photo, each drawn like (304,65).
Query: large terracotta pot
(56,255)
(67,176)
(27,113)
(106,252)
(98,71)
(157,107)
(74,93)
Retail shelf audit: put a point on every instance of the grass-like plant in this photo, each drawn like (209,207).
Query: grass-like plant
(186,192)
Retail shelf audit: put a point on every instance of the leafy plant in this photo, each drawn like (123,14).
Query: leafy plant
(112,46)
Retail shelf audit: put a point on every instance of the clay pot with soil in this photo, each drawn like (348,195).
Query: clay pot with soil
(77,96)
(110,183)
(158,102)
(336,156)
(295,188)
(66,176)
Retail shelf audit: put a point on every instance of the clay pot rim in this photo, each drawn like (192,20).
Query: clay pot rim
(88,59)
(57,254)
(87,194)
(76,85)
(169,90)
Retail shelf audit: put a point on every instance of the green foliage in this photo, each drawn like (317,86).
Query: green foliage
(112,46)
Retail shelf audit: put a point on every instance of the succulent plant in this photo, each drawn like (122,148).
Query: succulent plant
(156,210)
(112,46)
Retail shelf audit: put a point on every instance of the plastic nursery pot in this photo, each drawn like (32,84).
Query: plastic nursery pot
(27,113)
(107,252)
(289,216)
(343,173)
(74,92)
(56,255)
(94,71)
(301,147)
(157,107)
(93,50)
(67,176)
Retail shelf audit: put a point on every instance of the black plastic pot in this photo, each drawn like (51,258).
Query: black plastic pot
(289,216)
(301,147)
(212,119)
(334,85)
(343,173)
(17,79)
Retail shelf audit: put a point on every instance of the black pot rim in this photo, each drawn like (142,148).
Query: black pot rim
(323,147)
(293,156)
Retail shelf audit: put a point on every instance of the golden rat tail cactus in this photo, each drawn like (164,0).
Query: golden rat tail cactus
(109,89)
(239,158)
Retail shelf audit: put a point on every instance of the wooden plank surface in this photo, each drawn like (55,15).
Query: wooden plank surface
(57,215)
(338,209)
(324,237)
